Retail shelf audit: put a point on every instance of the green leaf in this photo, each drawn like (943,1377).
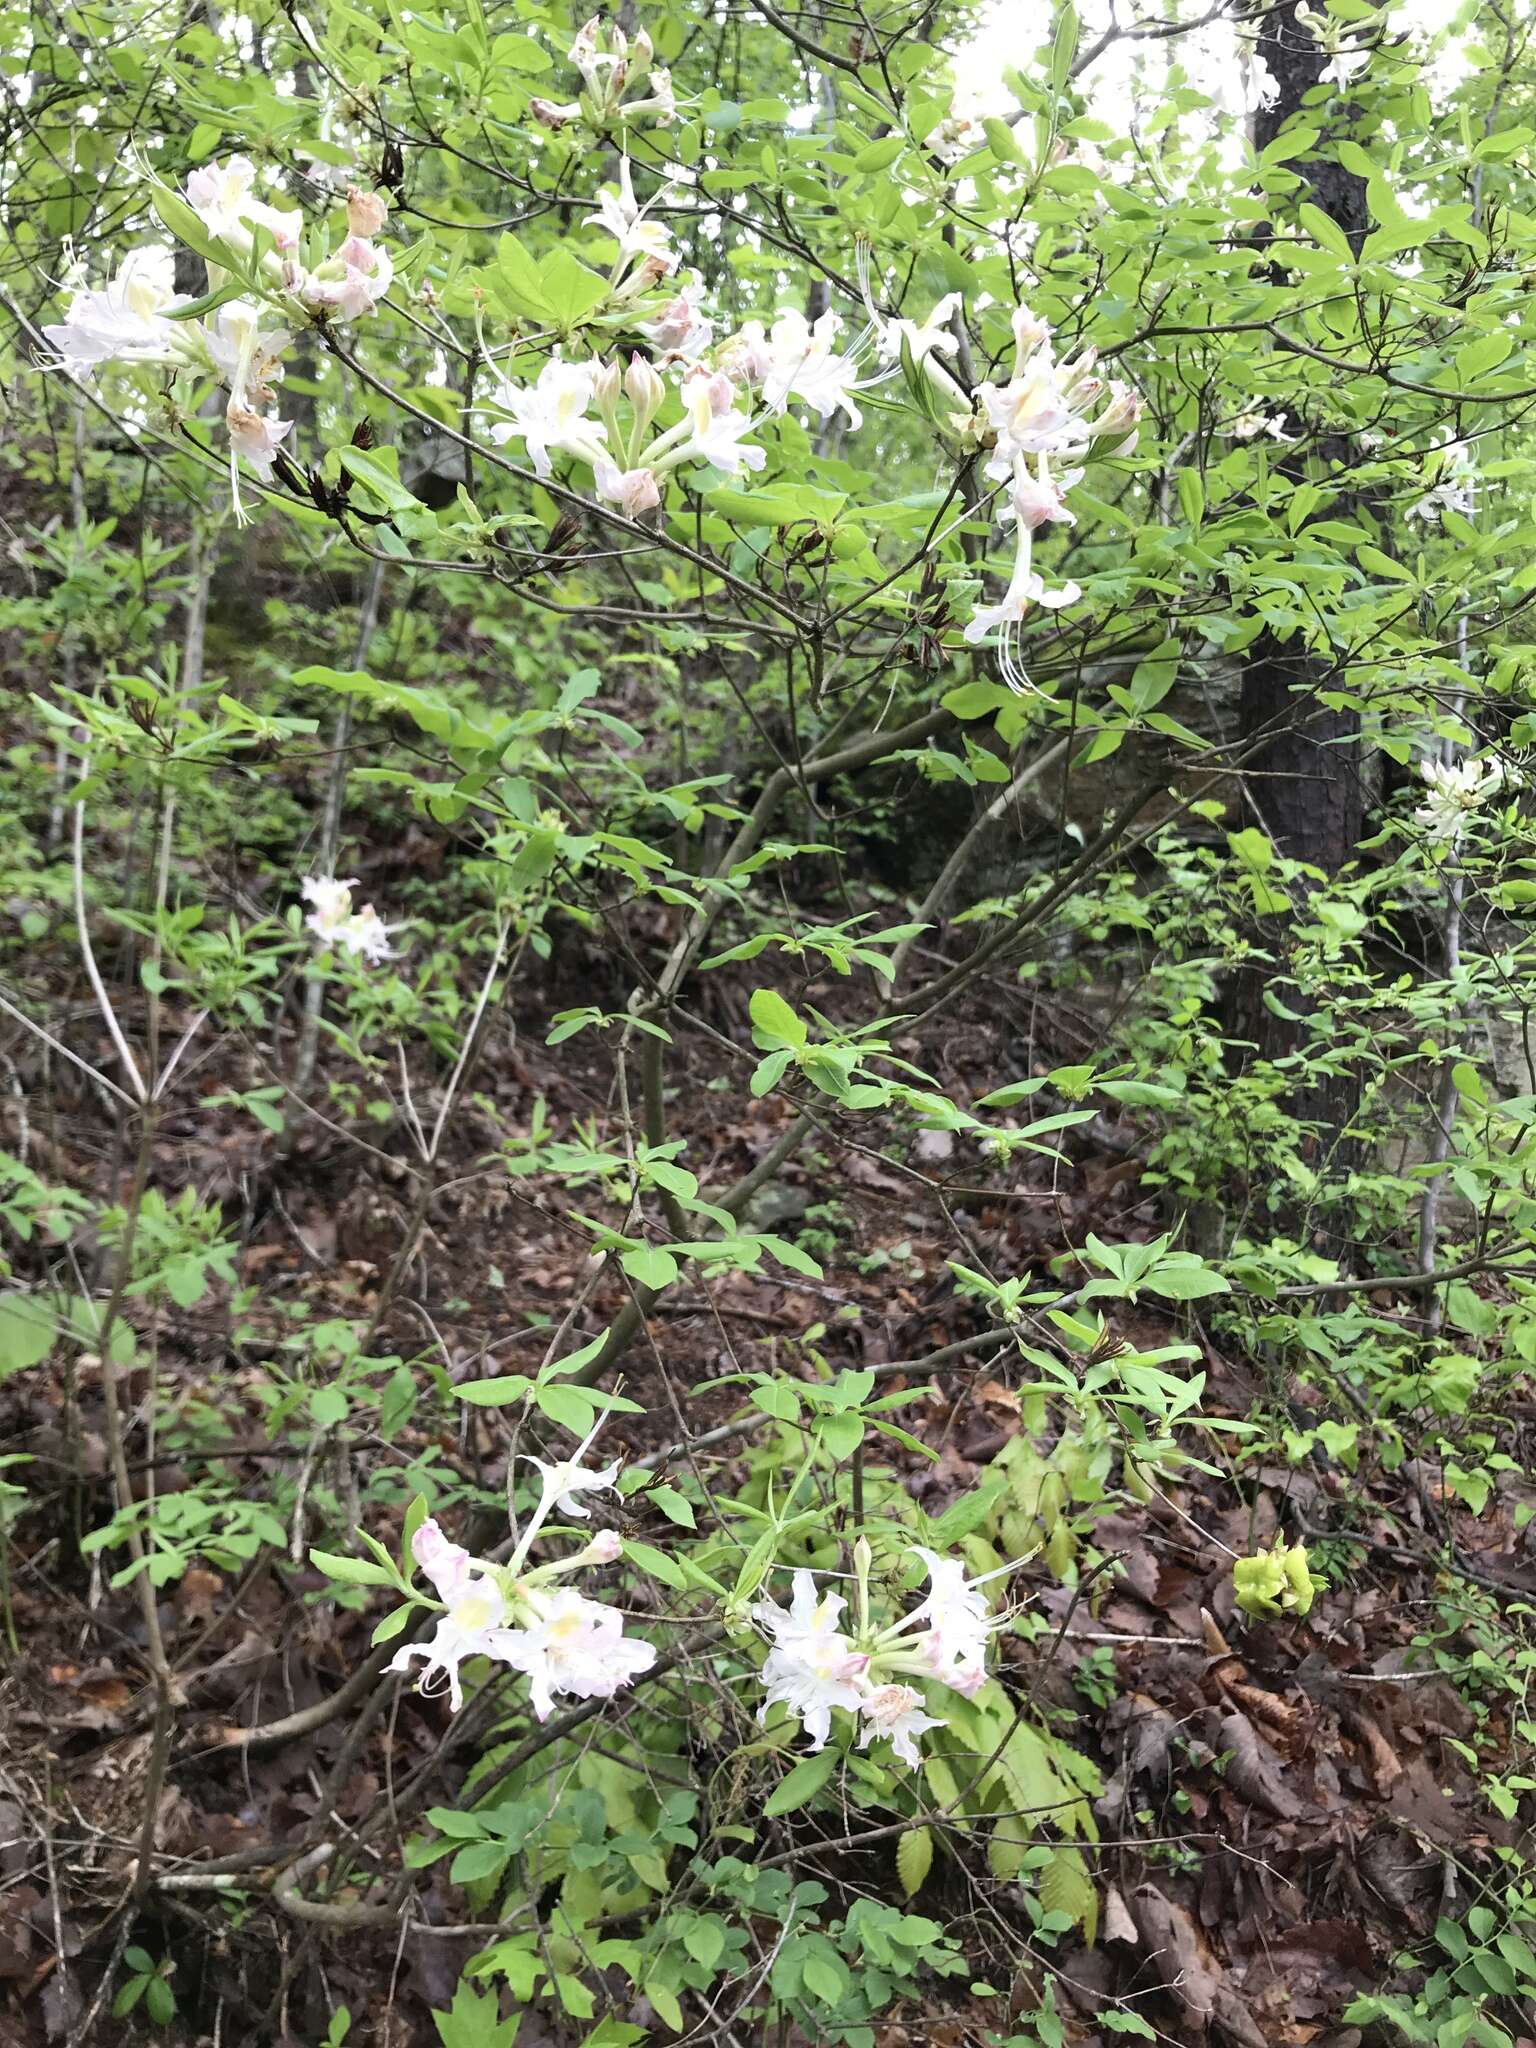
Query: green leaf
(650,1266)
(801,1784)
(27,1333)
(657,1563)
(876,155)
(494,1393)
(774,1023)
(393,1624)
(472,2021)
(568,1406)
(914,1859)
(674,1505)
(351,1571)
(1066,1887)
(328,1406)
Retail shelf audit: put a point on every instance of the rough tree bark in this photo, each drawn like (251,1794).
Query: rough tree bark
(1304,785)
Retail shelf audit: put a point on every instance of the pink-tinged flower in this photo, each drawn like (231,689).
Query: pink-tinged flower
(644,389)
(633,490)
(1037,501)
(806,366)
(811,1668)
(127,320)
(1032,415)
(221,197)
(682,328)
(348,284)
(254,436)
(959,1621)
(561,1483)
(716,429)
(575,1646)
(333,906)
(896,1713)
(1119,423)
(1029,333)
(552,414)
(606,1547)
(747,357)
(552,115)
(473,1624)
(366,212)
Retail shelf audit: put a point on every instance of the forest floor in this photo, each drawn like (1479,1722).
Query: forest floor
(1287,1808)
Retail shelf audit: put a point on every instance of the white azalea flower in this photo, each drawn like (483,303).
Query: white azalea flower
(811,1668)
(1034,501)
(365,936)
(716,428)
(574,1645)
(896,1713)
(127,320)
(808,367)
(959,1623)
(552,414)
(475,1620)
(1456,488)
(922,337)
(362,933)
(624,218)
(1032,415)
(332,900)
(1248,426)
(1456,790)
(222,198)
(563,1482)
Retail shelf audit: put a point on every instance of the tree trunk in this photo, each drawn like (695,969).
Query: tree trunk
(1304,785)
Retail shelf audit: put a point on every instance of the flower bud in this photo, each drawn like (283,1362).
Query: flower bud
(606,1547)
(605,386)
(366,212)
(643,388)
(553,117)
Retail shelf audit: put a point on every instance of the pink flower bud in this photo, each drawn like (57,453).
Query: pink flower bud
(366,212)
(606,1547)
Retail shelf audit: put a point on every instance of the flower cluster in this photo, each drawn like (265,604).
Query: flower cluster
(362,933)
(1340,40)
(1455,486)
(1248,426)
(1037,419)
(1456,789)
(607,61)
(137,318)
(714,394)
(521,1615)
(813,1668)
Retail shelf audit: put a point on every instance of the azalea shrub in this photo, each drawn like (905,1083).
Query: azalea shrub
(626,618)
